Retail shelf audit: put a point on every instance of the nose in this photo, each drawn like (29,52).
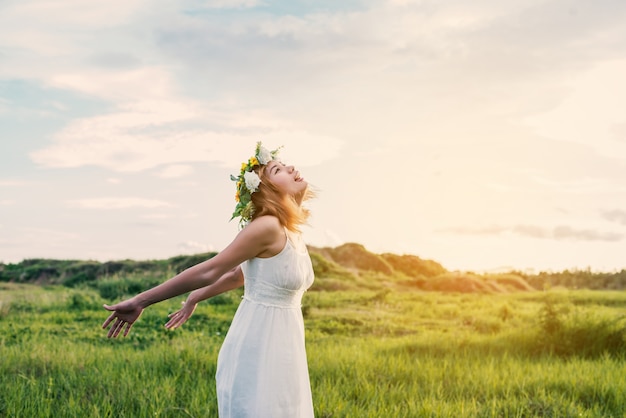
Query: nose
(290,168)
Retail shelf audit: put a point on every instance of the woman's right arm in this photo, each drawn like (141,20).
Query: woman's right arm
(257,237)
(229,281)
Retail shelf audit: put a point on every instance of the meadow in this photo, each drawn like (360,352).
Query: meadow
(376,349)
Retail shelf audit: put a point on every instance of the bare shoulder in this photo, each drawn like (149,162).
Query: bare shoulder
(268,230)
(266,224)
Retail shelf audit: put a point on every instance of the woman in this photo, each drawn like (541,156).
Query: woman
(261,368)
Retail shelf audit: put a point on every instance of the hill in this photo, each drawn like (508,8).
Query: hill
(347,266)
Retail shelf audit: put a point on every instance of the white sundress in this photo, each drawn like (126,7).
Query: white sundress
(262,369)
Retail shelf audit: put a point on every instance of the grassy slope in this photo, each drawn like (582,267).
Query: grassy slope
(336,268)
(387,336)
(373,351)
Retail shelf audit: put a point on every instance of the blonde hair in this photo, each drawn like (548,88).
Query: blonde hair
(269,200)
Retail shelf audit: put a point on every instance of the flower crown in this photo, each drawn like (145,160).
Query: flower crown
(248,182)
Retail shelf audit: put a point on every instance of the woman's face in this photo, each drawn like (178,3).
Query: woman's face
(286,178)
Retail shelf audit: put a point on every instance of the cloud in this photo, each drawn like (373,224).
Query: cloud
(194,247)
(559,233)
(615,215)
(156,216)
(54,27)
(175,171)
(147,134)
(117,203)
(584,185)
(50,236)
(14,183)
(579,118)
(566,232)
(230,4)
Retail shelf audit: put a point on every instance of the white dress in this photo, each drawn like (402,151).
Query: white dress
(262,368)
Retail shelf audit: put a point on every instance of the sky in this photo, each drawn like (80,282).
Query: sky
(485,135)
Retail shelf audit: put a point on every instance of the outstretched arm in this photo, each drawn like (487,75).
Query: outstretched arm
(261,235)
(229,281)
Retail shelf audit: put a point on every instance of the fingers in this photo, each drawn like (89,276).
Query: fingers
(172,323)
(108,320)
(128,327)
(117,327)
(113,329)
(177,319)
(173,314)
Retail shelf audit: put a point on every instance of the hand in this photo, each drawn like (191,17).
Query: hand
(125,314)
(181,316)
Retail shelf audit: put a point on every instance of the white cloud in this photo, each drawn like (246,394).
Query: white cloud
(231,4)
(616,215)
(74,12)
(49,236)
(144,135)
(583,185)
(142,90)
(194,247)
(117,203)
(175,171)
(14,183)
(156,216)
(592,111)
(558,233)
(56,28)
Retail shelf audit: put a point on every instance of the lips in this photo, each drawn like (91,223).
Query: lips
(297,177)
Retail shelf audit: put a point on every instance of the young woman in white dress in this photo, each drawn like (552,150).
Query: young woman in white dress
(262,367)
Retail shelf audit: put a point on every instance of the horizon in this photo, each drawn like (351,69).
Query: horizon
(504,270)
(483,136)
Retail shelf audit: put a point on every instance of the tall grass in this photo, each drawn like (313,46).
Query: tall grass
(372,353)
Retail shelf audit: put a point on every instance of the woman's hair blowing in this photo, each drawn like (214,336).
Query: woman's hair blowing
(269,200)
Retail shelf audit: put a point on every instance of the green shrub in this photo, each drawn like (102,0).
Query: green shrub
(81,301)
(565,331)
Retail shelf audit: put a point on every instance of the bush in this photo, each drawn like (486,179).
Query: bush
(80,301)
(566,332)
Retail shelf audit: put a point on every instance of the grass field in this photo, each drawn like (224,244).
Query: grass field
(372,353)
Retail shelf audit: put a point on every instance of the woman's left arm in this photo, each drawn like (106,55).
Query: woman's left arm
(229,281)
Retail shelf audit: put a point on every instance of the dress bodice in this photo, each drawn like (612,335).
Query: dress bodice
(279,280)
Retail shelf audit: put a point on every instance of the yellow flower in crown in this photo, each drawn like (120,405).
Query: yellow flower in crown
(248,182)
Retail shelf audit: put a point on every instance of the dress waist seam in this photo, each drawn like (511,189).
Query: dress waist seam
(271,305)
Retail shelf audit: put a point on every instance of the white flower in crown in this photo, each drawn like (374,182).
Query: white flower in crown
(252,180)
(264,155)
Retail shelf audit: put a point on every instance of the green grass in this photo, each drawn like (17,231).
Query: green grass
(372,353)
